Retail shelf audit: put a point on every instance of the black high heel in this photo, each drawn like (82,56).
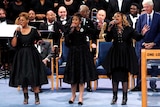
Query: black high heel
(26,97)
(114,100)
(70,101)
(89,89)
(80,103)
(37,99)
(124,100)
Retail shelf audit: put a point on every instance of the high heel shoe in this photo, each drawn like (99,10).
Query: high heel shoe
(71,101)
(26,97)
(114,100)
(124,100)
(37,99)
(80,103)
(89,89)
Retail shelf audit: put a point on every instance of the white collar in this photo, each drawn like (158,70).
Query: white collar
(63,19)
(151,14)
(3,23)
(50,23)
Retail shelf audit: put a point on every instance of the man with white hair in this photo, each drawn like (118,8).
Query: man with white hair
(151,40)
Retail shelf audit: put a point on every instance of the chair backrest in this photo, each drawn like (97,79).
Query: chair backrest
(102,49)
(63,50)
(49,40)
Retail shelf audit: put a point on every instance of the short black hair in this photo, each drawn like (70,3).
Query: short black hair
(77,14)
(136,4)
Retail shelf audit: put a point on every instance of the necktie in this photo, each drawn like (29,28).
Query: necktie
(149,20)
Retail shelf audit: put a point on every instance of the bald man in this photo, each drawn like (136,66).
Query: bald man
(63,17)
(100,22)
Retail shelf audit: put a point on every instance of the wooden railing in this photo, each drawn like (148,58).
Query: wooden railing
(145,55)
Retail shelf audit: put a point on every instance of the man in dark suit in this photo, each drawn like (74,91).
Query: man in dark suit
(7,51)
(151,39)
(63,17)
(44,48)
(156,4)
(133,16)
(52,25)
(118,6)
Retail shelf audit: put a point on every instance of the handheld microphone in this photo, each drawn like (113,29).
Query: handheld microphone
(72,29)
(110,25)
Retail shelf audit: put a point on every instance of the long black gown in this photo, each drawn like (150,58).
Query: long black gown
(80,66)
(28,68)
(121,57)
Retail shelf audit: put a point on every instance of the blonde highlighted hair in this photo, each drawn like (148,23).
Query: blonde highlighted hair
(124,18)
(25,15)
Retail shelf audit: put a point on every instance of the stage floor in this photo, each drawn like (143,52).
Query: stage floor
(11,97)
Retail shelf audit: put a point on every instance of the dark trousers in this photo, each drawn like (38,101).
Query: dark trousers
(154,71)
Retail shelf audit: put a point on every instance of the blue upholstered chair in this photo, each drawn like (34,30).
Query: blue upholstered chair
(61,63)
(101,52)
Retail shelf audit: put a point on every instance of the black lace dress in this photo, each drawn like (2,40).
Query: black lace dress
(28,68)
(80,66)
(121,58)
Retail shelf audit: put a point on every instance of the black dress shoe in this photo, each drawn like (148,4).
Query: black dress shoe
(89,89)
(136,89)
(80,103)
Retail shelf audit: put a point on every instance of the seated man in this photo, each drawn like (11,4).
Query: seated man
(154,71)
(54,27)
(44,48)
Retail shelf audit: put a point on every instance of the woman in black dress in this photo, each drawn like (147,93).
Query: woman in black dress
(121,58)
(28,68)
(80,66)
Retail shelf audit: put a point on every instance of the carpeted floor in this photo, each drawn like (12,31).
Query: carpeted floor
(11,97)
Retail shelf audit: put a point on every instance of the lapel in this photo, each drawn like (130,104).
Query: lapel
(123,5)
(153,21)
(46,26)
(116,3)
(144,19)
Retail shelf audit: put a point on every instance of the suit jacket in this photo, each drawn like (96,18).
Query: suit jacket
(156,5)
(113,7)
(57,30)
(45,50)
(100,4)
(130,20)
(97,31)
(65,23)
(153,35)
